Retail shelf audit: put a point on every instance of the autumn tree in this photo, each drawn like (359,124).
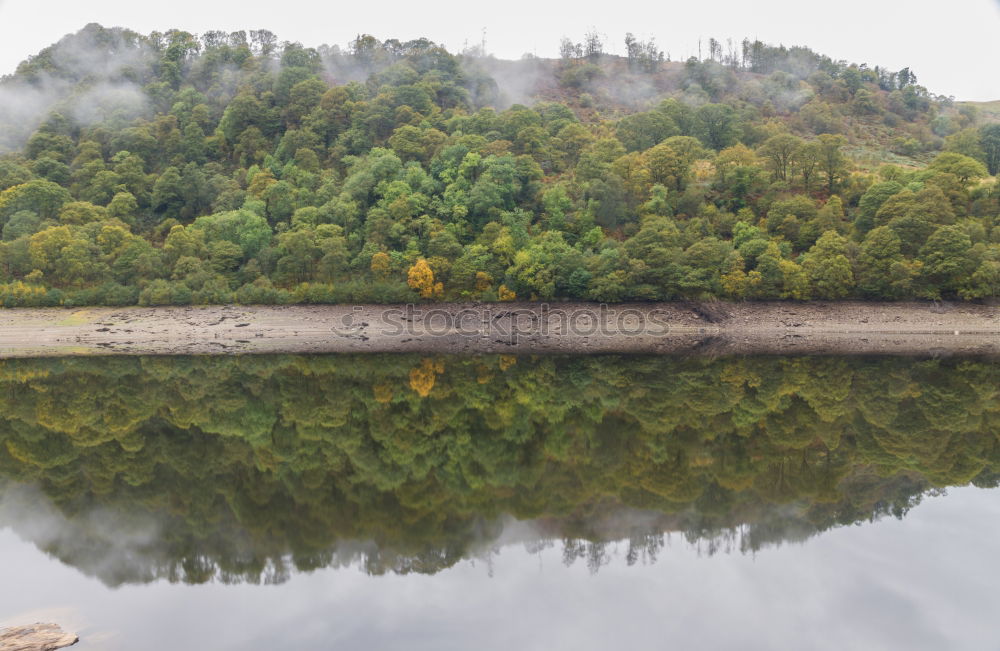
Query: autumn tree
(420,277)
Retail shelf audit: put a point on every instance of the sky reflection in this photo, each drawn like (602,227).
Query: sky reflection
(918,583)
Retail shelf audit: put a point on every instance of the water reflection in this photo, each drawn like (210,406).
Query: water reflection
(248,469)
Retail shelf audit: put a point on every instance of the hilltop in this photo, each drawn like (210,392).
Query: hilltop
(173,168)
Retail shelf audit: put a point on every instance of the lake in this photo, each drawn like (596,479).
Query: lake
(499,502)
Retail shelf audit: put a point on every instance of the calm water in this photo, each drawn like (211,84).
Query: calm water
(502,503)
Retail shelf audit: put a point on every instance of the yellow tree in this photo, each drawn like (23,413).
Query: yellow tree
(380,264)
(423,377)
(421,278)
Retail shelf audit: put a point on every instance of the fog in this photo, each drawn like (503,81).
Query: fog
(109,88)
(949,47)
(101,543)
(122,545)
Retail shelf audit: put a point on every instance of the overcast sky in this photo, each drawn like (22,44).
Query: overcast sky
(950,45)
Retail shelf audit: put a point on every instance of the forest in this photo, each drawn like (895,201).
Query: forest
(174,168)
(251,468)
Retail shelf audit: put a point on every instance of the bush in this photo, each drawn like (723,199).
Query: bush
(261,292)
(161,292)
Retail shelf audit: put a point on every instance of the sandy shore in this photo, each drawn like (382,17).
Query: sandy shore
(519,328)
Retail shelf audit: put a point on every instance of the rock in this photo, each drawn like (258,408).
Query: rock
(35,637)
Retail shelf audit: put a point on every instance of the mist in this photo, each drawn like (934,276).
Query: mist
(89,77)
(135,546)
(110,545)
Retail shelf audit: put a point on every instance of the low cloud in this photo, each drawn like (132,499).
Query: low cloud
(90,77)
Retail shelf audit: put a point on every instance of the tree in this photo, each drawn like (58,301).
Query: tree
(828,268)
(669,163)
(12,174)
(44,198)
(168,194)
(718,126)
(593,46)
(642,55)
(964,168)
(244,228)
(380,264)
(658,247)
(832,162)
(989,139)
(871,201)
(985,281)
(965,142)
(865,103)
(546,266)
(336,255)
(413,143)
(302,99)
(831,217)
(21,224)
(808,162)
(779,152)
(299,254)
(883,272)
(82,212)
(641,131)
(946,259)
(421,278)
(795,281)
(123,207)
(66,257)
(255,170)
(569,50)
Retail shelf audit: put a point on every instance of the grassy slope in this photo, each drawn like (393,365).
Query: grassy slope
(988,111)
(618,92)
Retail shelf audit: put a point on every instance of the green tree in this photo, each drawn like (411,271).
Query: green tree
(871,201)
(964,168)
(946,260)
(168,194)
(43,198)
(828,268)
(883,272)
(718,125)
(832,161)
(780,152)
(989,140)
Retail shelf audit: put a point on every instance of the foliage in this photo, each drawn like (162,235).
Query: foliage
(241,171)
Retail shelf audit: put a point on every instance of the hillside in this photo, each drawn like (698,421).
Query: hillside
(172,169)
(987,111)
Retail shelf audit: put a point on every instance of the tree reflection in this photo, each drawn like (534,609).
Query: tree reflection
(255,467)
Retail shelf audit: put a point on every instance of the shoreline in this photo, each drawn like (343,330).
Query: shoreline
(716,328)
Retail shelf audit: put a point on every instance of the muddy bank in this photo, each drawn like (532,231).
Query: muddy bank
(517,328)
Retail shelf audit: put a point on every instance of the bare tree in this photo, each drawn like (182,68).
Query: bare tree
(593,46)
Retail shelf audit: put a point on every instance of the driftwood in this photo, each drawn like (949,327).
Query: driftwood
(35,637)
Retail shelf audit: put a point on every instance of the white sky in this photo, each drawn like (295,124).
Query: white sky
(950,45)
